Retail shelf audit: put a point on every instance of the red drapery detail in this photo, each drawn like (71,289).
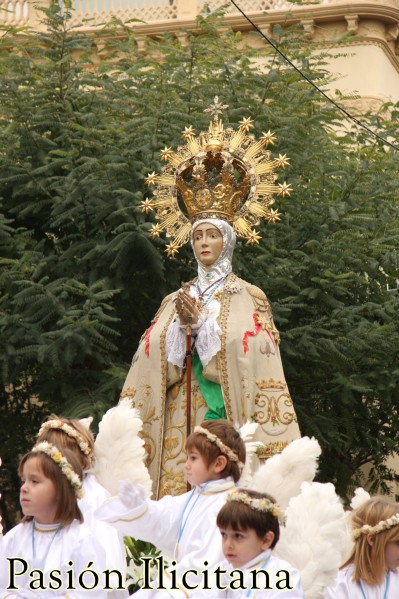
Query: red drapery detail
(259,326)
(147,337)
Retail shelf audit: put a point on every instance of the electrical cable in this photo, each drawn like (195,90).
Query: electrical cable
(345,112)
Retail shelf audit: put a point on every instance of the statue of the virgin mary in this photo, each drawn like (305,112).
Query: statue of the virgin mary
(226,181)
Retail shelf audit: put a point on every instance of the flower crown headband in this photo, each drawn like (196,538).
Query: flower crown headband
(260,505)
(380,527)
(225,449)
(68,430)
(55,454)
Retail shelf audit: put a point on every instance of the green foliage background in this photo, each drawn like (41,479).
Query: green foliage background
(80,279)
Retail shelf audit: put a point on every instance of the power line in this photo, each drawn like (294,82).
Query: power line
(345,112)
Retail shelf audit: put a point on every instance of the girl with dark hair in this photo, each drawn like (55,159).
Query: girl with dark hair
(76,436)
(46,554)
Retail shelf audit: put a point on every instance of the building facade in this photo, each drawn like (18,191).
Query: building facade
(368,31)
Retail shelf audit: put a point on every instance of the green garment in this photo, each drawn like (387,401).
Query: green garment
(211,392)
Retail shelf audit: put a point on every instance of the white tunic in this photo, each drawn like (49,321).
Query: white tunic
(347,588)
(183,527)
(49,548)
(94,495)
(277,581)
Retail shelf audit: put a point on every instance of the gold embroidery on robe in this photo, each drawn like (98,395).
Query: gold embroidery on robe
(253,384)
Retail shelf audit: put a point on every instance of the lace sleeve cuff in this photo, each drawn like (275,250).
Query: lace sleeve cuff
(176,344)
(208,342)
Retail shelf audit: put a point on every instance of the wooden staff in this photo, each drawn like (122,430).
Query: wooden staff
(188,378)
(188,384)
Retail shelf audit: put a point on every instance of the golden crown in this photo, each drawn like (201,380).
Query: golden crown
(222,173)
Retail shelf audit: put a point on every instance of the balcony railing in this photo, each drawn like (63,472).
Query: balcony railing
(92,13)
(168,14)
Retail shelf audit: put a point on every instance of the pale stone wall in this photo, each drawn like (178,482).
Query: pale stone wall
(393,462)
(369,68)
(374,23)
(367,71)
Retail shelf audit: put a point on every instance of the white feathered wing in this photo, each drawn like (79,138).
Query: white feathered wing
(247,432)
(119,452)
(314,536)
(282,475)
(360,497)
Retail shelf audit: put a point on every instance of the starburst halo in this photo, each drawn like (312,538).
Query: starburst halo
(219,173)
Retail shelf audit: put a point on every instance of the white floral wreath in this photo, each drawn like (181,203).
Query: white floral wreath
(55,454)
(380,527)
(259,504)
(227,451)
(70,431)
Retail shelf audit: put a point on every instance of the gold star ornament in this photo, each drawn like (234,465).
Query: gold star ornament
(188,133)
(166,153)
(273,216)
(155,230)
(147,206)
(282,161)
(285,189)
(246,124)
(172,249)
(253,238)
(268,137)
(151,178)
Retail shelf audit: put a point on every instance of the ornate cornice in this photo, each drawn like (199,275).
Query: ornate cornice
(353,14)
(317,12)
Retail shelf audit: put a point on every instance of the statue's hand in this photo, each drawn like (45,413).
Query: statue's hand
(186,308)
(131,496)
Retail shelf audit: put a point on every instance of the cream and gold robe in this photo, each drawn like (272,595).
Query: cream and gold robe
(248,368)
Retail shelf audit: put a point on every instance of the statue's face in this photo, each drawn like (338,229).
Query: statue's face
(207,243)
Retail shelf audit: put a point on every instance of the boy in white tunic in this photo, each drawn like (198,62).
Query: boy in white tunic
(184,527)
(249,527)
(371,572)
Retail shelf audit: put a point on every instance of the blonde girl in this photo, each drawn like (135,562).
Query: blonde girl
(371,572)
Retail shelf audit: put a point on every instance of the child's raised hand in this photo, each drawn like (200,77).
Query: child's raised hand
(131,496)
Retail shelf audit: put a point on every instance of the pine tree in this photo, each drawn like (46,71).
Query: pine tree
(80,279)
